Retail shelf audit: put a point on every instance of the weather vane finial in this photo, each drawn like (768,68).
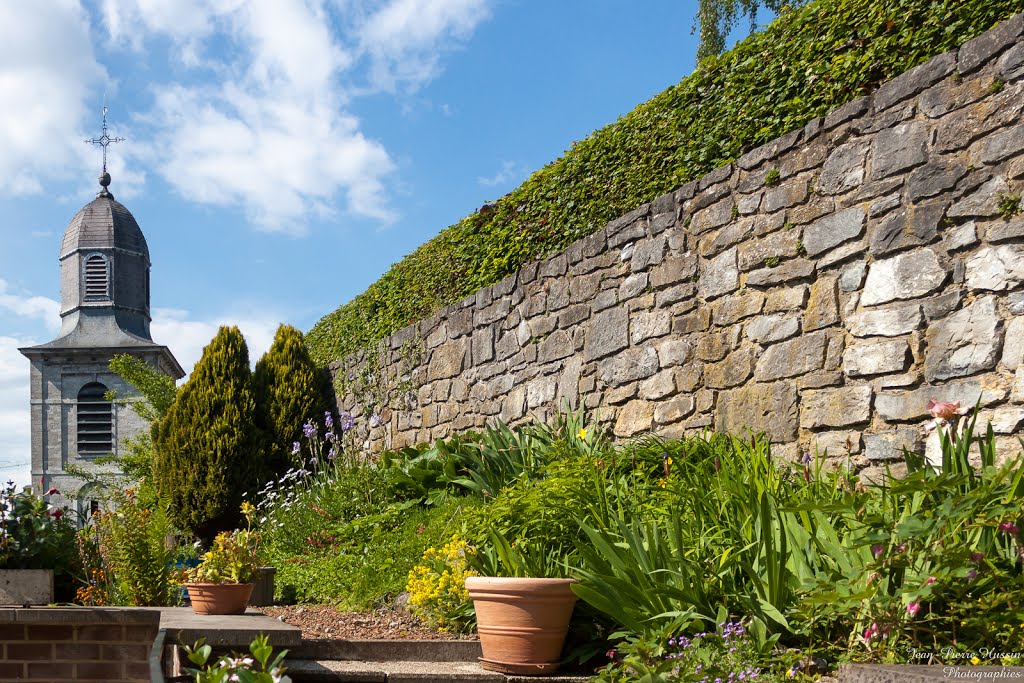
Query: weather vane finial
(104,141)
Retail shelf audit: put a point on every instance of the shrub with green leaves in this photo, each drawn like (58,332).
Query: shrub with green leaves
(208,451)
(288,390)
(807,62)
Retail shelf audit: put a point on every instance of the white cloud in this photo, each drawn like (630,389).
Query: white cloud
(186,337)
(48,72)
(509,171)
(29,306)
(406,39)
(14,412)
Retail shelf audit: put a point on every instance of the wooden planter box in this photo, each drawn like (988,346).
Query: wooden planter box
(24,587)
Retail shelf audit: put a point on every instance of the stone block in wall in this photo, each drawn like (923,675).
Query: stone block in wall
(786,299)
(901,406)
(891,321)
(965,342)
(934,178)
(738,306)
(447,360)
(541,391)
(995,268)
(633,418)
(889,445)
(898,148)
(1010,66)
(788,271)
(835,445)
(629,365)
(555,346)
(983,202)
(673,270)
(911,82)
(688,323)
(674,410)
(646,325)
(844,168)
(673,352)
(659,386)
(768,408)
(583,288)
(606,333)
(734,233)
(769,329)
(905,276)
(876,357)
(839,407)
(715,346)
(833,229)
(823,304)
(792,358)
(633,286)
(782,244)
(733,370)
(908,227)
(1013,347)
(975,52)
(648,252)
(719,275)
(1002,230)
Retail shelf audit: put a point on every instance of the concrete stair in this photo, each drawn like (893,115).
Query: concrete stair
(397,661)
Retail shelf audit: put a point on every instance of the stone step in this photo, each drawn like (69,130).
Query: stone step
(387,650)
(334,671)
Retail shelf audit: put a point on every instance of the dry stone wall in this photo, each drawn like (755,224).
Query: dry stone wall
(821,289)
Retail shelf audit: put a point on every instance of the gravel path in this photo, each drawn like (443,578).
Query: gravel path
(324,621)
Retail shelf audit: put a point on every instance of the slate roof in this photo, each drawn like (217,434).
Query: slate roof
(104,223)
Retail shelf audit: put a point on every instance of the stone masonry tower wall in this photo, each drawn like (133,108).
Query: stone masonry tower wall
(821,289)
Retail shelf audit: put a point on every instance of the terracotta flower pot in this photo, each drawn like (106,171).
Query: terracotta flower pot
(522,622)
(219,598)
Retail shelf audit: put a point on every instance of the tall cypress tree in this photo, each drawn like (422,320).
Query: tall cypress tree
(208,450)
(289,390)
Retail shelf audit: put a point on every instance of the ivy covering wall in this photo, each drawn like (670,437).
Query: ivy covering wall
(807,62)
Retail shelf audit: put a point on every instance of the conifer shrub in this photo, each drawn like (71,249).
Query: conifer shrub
(288,390)
(208,449)
(810,60)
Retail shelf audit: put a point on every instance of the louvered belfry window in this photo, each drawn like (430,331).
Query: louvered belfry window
(95,420)
(97,278)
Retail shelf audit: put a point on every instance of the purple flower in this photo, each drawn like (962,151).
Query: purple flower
(375,420)
(972,575)
(328,419)
(877,549)
(807,458)
(309,430)
(296,447)
(977,557)
(1009,528)
(346,422)
(332,454)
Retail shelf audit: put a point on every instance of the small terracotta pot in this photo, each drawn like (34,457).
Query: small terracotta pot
(219,598)
(522,622)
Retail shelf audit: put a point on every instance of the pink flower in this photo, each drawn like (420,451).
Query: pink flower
(1009,528)
(867,634)
(877,549)
(930,580)
(58,513)
(912,608)
(53,490)
(943,410)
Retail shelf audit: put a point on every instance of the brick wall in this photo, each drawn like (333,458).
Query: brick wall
(76,644)
(821,289)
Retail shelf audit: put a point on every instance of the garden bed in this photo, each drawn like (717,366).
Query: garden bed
(325,621)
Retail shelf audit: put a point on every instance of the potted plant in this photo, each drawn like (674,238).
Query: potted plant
(223,581)
(35,540)
(523,602)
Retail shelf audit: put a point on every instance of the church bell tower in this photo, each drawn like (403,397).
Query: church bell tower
(104,272)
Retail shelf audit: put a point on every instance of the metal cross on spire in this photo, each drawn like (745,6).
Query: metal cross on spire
(104,140)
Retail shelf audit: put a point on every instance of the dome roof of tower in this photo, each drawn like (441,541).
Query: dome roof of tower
(104,223)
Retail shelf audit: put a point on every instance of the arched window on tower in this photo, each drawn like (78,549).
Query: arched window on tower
(95,421)
(97,278)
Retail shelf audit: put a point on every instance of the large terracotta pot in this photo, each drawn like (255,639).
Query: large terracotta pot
(522,622)
(219,598)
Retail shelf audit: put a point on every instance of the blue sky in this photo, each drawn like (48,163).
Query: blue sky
(282,154)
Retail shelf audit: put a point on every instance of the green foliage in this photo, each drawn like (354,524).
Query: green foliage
(136,550)
(208,450)
(36,535)
(717,18)
(1009,205)
(772,177)
(288,390)
(807,62)
(157,390)
(259,668)
(234,556)
(522,558)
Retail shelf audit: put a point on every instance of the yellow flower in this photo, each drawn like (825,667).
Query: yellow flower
(582,434)
(975,661)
